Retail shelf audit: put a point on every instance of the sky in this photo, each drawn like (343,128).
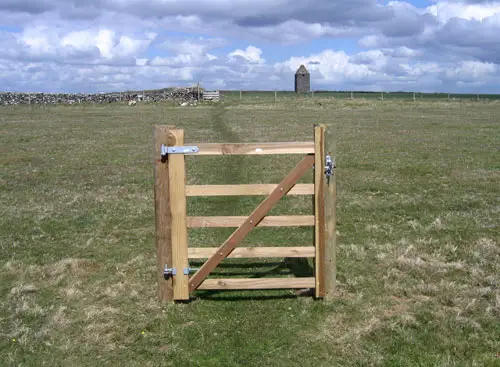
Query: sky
(117,45)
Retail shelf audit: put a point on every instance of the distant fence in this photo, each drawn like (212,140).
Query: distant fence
(276,96)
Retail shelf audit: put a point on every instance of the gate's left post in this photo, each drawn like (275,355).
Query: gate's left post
(162,213)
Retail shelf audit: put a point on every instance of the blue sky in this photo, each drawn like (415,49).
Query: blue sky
(112,45)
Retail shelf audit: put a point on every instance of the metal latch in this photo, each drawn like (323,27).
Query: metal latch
(329,166)
(185,149)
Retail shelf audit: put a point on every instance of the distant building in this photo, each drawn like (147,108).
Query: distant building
(302,80)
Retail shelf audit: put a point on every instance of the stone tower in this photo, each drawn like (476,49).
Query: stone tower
(302,80)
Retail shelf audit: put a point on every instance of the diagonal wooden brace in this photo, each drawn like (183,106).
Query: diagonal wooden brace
(253,220)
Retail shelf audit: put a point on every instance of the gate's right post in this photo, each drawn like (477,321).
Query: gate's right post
(319,211)
(325,191)
(331,226)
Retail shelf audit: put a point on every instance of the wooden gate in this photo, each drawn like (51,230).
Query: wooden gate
(172,222)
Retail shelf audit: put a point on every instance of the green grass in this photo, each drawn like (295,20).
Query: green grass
(418,238)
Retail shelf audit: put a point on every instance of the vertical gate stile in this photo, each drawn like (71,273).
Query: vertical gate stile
(162,213)
(177,195)
(319,209)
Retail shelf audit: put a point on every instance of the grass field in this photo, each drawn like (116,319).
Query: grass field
(418,238)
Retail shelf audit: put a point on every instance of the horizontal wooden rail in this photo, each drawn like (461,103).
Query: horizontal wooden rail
(278,221)
(254,252)
(243,190)
(257,283)
(256,148)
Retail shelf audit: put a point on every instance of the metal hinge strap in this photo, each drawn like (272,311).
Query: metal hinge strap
(185,149)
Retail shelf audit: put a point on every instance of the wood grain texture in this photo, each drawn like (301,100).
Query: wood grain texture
(256,148)
(177,196)
(244,190)
(162,214)
(330,235)
(259,283)
(254,252)
(319,209)
(231,221)
(253,220)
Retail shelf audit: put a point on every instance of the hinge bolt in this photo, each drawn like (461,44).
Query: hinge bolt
(169,272)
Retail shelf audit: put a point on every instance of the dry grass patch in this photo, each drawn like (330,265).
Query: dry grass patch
(418,254)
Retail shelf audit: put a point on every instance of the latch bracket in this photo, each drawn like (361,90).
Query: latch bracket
(330,165)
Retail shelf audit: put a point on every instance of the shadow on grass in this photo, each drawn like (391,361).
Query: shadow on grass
(237,296)
(298,267)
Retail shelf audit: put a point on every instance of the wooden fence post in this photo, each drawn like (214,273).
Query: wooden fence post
(331,229)
(177,196)
(162,213)
(319,209)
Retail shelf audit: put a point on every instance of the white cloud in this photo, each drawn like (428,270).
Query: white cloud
(472,71)
(198,45)
(110,45)
(90,46)
(251,54)
(447,10)
(141,61)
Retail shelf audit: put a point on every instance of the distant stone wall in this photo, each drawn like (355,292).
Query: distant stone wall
(179,95)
